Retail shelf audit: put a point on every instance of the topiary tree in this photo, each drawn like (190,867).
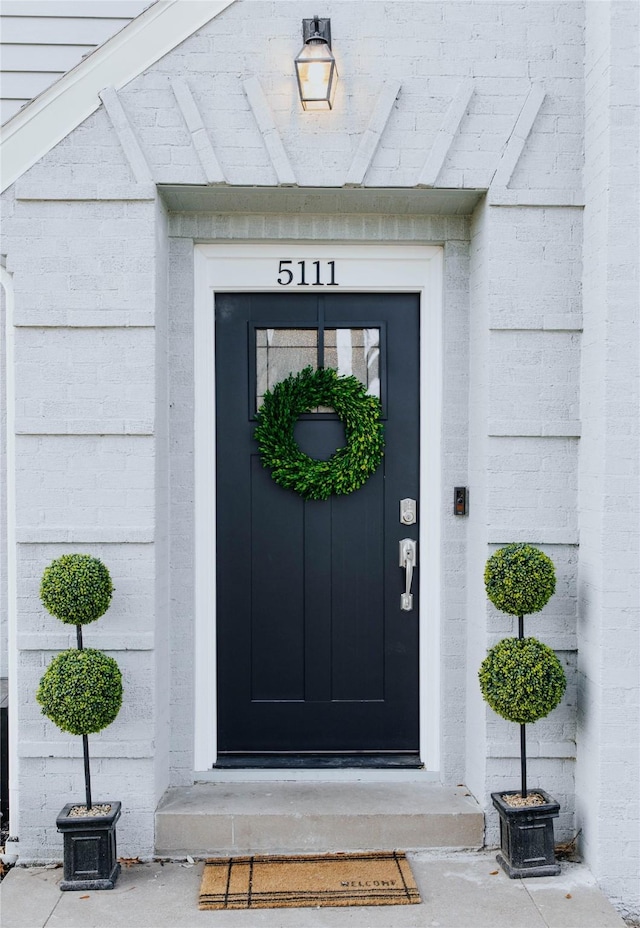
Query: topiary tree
(81,690)
(521,678)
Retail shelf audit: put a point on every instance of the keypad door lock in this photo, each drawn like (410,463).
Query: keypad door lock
(408,511)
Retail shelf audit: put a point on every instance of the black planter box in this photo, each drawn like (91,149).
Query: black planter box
(526,836)
(90,857)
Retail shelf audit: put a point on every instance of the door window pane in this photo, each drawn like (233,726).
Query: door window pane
(356,352)
(280,352)
(284,351)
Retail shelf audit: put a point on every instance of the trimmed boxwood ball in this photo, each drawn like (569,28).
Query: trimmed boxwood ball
(81,691)
(522,679)
(519,579)
(76,588)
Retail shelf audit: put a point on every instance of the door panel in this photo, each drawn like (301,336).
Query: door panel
(314,653)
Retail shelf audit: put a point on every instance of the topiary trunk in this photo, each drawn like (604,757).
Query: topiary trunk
(85,740)
(523,731)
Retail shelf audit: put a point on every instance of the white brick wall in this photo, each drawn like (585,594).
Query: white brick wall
(4,669)
(429,48)
(441,49)
(523,468)
(479,518)
(609,584)
(82,263)
(542,370)
(87,277)
(98,380)
(80,481)
(104,297)
(162,677)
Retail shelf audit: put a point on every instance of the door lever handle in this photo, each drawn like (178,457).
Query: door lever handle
(408,559)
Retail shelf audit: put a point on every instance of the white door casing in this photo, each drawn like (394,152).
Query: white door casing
(282,267)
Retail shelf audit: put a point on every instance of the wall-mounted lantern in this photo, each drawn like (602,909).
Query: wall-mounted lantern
(315,66)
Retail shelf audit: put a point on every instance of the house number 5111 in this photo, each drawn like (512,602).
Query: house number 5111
(307,274)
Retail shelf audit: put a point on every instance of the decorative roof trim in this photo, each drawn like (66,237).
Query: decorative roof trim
(370,139)
(56,112)
(270,135)
(128,141)
(446,134)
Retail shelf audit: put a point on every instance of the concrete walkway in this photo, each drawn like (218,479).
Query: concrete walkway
(460,890)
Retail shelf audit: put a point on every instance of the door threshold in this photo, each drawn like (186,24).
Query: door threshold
(383,761)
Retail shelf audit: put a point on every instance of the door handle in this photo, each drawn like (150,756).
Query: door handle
(408,559)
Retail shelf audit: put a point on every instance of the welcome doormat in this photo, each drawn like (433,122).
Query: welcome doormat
(271,882)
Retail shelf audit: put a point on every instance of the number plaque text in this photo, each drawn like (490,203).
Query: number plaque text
(307,274)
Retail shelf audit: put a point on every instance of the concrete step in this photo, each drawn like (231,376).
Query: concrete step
(296,817)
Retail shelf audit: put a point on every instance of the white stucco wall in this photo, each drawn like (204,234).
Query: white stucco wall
(102,270)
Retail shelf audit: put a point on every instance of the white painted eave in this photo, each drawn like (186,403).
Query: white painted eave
(51,116)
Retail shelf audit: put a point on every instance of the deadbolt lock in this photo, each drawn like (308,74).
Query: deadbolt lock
(408,511)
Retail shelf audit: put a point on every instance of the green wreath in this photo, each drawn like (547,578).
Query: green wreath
(349,467)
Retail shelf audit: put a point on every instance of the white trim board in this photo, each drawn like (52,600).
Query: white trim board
(361,268)
(51,116)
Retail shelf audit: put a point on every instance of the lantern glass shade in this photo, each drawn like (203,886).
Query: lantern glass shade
(317,75)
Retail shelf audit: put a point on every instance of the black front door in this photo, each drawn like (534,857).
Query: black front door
(315,655)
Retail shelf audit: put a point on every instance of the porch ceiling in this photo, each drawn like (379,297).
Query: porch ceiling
(330,200)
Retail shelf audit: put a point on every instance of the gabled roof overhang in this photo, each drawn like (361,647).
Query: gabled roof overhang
(56,112)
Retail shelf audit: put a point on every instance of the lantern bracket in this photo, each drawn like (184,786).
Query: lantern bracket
(316,28)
